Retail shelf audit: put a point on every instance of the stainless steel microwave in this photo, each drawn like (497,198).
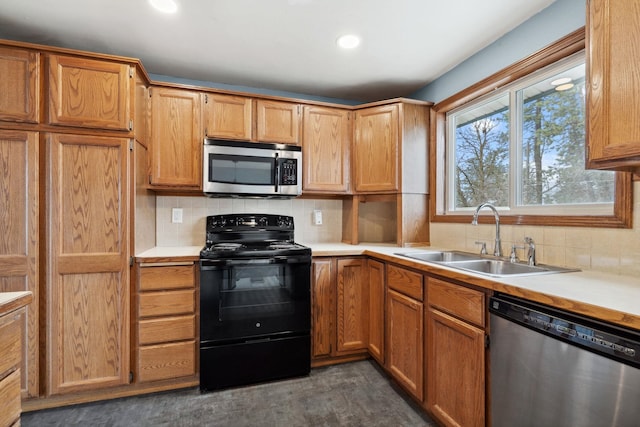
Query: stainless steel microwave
(251,169)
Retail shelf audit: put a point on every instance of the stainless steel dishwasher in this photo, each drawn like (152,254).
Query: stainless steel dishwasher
(553,368)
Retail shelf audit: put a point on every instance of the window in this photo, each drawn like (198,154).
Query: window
(524,147)
(521,146)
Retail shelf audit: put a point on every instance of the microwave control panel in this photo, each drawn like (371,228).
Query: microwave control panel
(288,171)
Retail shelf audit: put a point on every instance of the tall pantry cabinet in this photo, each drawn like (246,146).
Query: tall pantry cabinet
(65,140)
(19,195)
(87,223)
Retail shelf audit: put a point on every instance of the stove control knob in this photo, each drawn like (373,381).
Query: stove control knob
(262,221)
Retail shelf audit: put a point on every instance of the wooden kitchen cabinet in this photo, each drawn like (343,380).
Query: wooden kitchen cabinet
(87,283)
(376,275)
(142,129)
(326,139)
(176,139)
(227,116)
(375,149)
(19,246)
(455,349)
(339,326)
(278,121)
(19,85)
(390,148)
(165,324)
(89,93)
(405,329)
(613,84)
(10,355)
(353,306)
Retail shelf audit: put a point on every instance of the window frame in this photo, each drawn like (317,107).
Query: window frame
(563,48)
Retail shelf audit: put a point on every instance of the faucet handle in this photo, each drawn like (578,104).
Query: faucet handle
(514,254)
(483,249)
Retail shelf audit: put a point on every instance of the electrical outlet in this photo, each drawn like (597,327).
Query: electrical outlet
(317,217)
(176,215)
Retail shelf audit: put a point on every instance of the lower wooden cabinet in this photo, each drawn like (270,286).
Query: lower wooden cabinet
(405,331)
(376,274)
(456,351)
(340,306)
(165,324)
(10,360)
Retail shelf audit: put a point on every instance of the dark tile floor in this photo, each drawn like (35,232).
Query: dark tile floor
(352,394)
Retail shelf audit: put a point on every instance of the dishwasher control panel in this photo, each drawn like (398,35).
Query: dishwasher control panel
(609,340)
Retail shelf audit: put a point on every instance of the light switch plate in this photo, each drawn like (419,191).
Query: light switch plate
(176,215)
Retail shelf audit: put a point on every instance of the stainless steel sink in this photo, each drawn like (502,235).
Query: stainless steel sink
(446,256)
(485,265)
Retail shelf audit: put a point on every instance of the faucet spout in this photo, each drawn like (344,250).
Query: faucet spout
(497,249)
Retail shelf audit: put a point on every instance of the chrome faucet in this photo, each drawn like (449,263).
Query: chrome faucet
(531,252)
(497,249)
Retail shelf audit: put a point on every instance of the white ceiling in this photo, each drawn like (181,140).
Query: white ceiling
(285,45)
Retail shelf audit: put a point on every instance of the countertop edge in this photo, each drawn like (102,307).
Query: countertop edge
(11,301)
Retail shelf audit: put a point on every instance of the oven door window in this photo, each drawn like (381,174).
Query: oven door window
(244,170)
(256,292)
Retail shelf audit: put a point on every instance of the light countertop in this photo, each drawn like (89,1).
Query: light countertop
(606,296)
(10,301)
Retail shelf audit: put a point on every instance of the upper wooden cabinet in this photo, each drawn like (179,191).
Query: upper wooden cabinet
(19,85)
(227,116)
(375,149)
(142,111)
(613,84)
(89,93)
(278,121)
(326,137)
(176,138)
(390,148)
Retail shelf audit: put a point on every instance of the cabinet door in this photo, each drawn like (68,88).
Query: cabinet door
(89,93)
(87,284)
(376,309)
(142,111)
(19,85)
(375,149)
(325,143)
(227,116)
(613,105)
(352,306)
(405,341)
(177,138)
(19,260)
(278,121)
(322,307)
(455,366)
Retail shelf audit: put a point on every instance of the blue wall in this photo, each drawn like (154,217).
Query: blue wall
(551,24)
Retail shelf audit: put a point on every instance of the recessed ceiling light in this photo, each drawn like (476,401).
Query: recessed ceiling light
(561,81)
(165,6)
(565,86)
(348,41)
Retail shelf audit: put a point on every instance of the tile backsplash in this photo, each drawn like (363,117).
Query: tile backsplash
(191,232)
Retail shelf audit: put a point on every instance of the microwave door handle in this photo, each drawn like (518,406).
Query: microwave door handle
(276,169)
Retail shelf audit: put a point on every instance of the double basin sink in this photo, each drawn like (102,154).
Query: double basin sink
(483,264)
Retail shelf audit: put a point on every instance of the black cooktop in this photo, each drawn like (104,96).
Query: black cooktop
(250,235)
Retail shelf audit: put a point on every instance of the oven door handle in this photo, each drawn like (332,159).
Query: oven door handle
(215,264)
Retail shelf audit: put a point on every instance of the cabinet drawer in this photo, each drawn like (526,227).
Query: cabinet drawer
(405,281)
(164,329)
(10,398)
(164,361)
(168,303)
(10,349)
(467,304)
(166,277)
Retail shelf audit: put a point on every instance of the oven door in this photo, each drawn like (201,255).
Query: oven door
(244,298)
